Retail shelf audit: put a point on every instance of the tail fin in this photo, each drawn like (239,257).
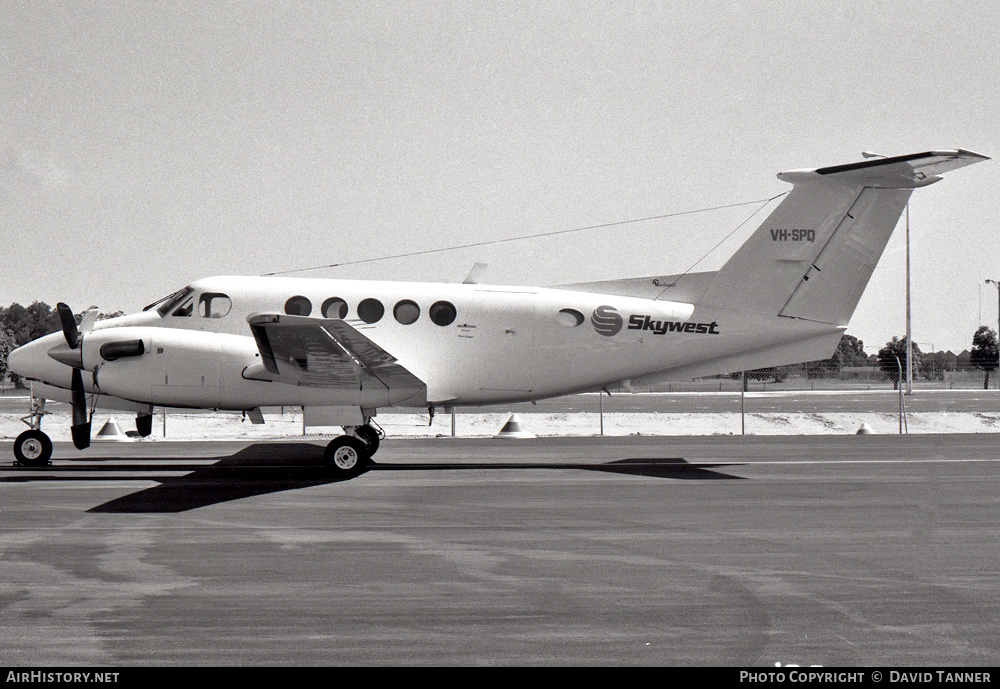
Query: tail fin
(813,256)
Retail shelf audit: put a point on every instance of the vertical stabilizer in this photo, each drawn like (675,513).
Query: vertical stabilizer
(813,256)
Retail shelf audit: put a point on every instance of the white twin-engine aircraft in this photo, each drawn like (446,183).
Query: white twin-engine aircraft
(342,349)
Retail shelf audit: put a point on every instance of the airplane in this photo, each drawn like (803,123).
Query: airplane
(343,349)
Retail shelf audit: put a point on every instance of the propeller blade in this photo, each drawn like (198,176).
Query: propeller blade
(88,320)
(81,424)
(68,322)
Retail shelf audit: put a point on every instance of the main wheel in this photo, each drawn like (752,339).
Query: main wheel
(369,436)
(33,449)
(346,456)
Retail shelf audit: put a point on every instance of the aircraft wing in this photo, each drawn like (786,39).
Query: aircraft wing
(326,352)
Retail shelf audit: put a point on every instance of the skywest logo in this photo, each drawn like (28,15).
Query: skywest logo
(638,322)
(608,322)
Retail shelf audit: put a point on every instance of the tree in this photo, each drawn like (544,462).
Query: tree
(850,352)
(7,345)
(27,324)
(984,352)
(892,357)
(113,314)
(23,325)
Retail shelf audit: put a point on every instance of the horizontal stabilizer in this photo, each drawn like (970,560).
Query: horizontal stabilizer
(909,171)
(813,256)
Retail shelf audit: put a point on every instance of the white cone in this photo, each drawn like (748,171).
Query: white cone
(514,429)
(110,433)
(865,430)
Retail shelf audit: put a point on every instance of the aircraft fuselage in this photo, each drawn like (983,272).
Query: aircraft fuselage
(470,344)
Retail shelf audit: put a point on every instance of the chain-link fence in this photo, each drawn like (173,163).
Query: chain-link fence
(752,405)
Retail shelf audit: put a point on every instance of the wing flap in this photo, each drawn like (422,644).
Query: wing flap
(326,352)
(373,359)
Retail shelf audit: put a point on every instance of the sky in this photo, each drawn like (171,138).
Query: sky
(144,145)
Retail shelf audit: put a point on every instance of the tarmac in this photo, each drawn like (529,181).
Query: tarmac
(668,551)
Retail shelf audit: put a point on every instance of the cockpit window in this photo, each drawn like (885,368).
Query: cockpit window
(186,306)
(169,302)
(214,305)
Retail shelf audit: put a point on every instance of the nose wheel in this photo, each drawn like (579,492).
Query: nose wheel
(33,449)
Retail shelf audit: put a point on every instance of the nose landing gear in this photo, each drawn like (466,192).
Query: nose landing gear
(33,448)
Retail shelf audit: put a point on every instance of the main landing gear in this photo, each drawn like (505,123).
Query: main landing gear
(33,448)
(351,454)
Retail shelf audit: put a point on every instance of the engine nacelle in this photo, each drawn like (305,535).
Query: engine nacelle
(165,366)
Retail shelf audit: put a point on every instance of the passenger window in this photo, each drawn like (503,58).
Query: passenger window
(334,307)
(214,305)
(406,312)
(371,310)
(298,306)
(569,318)
(443,313)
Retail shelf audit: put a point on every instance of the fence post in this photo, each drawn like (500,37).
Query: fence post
(743,388)
(600,393)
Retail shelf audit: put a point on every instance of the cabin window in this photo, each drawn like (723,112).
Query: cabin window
(334,307)
(406,312)
(443,313)
(214,305)
(371,310)
(569,318)
(298,306)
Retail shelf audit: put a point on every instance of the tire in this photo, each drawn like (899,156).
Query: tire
(369,436)
(33,449)
(346,456)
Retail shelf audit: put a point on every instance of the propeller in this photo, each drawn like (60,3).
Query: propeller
(71,354)
(81,421)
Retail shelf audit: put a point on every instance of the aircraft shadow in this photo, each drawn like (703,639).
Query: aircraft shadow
(269,468)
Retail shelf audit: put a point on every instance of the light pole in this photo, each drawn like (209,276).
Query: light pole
(909,334)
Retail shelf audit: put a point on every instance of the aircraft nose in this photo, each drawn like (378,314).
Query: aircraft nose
(32,361)
(19,361)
